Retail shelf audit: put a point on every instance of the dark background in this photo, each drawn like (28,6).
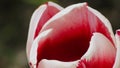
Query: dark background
(14,21)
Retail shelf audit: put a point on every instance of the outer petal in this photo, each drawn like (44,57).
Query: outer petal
(101,53)
(39,18)
(104,20)
(117,60)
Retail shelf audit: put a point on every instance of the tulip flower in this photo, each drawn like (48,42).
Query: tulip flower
(77,36)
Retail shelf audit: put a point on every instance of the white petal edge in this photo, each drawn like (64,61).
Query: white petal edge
(100,48)
(32,26)
(63,12)
(44,63)
(33,51)
(56,5)
(104,20)
(117,60)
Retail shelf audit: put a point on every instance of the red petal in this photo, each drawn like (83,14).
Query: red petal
(39,18)
(101,53)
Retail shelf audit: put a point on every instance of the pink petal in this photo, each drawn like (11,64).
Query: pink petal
(101,53)
(117,60)
(39,18)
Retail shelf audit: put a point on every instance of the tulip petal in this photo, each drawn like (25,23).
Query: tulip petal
(101,53)
(39,18)
(105,21)
(33,51)
(117,60)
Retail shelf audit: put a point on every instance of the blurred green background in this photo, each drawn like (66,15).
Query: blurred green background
(14,21)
